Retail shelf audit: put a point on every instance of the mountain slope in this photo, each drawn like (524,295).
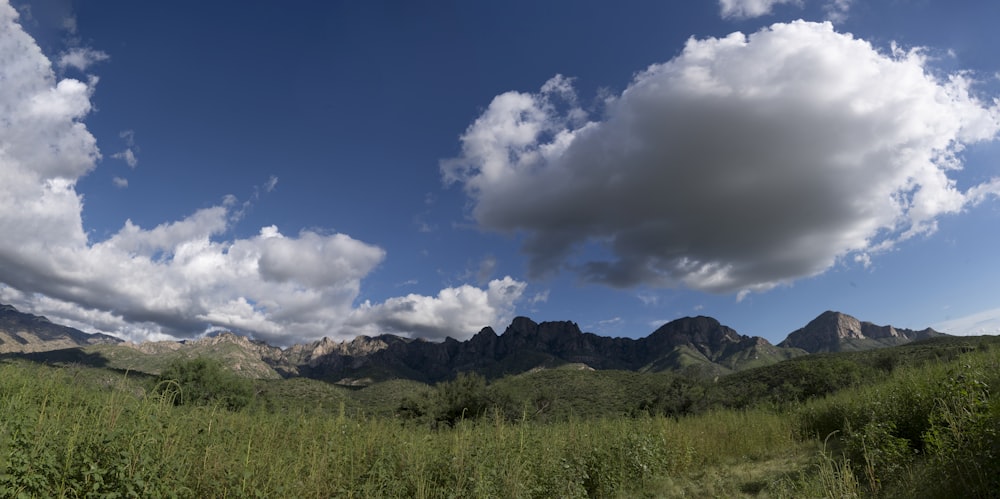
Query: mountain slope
(246,357)
(26,333)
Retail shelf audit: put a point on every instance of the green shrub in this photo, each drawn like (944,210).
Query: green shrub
(679,396)
(203,381)
(465,397)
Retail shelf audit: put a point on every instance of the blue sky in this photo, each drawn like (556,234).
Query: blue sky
(296,170)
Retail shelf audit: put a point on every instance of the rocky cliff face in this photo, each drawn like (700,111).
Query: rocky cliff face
(835,332)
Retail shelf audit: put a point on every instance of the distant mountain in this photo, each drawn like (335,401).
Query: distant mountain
(693,343)
(838,332)
(696,345)
(244,356)
(699,345)
(701,340)
(26,333)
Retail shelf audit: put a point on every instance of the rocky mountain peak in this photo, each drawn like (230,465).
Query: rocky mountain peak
(524,334)
(520,326)
(484,333)
(523,327)
(554,330)
(367,345)
(825,333)
(225,337)
(243,342)
(485,336)
(704,335)
(835,331)
(836,325)
(700,329)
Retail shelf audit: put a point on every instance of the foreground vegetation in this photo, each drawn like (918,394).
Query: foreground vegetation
(916,421)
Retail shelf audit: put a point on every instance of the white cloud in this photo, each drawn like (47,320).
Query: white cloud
(743,9)
(314,260)
(128,156)
(836,10)
(979,323)
(423,226)
(180,278)
(69,24)
(80,58)
(744,163)
(648,299)
(271,183)
(120,182)
(610,322)
(864,259)
(457,312)
(981,192)
(540,297)
(128,136)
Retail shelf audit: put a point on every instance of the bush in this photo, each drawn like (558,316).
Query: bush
(678,396)
(465,397)
(203,381)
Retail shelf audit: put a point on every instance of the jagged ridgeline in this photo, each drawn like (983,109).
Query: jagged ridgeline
(695,346)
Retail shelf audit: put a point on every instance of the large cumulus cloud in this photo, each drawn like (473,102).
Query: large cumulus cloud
(743,163)
(179,278)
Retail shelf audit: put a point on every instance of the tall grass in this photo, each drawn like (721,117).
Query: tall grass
(63,438)
(74,432)
(929,431)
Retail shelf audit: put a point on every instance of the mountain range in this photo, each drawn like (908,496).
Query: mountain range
(21,332)
(698,345)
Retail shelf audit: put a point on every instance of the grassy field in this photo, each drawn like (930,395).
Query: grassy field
(922,429)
